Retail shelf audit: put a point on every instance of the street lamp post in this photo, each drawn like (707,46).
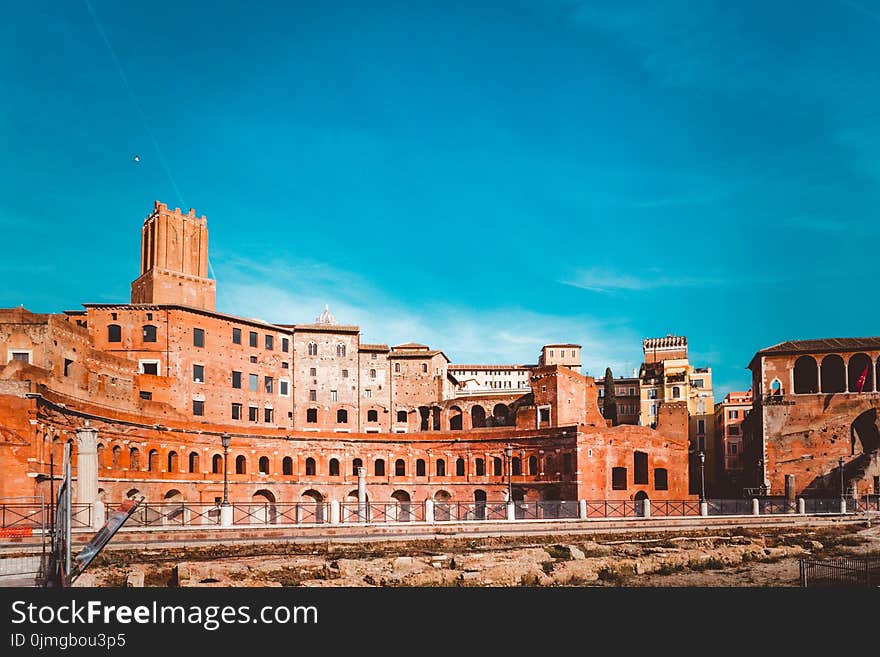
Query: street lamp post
(702,479)
(840,463)
(224,440)
(508,452)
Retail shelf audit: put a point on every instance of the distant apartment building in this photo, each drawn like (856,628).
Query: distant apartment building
(729,414)
(477,379)
(666,375)
(626,396)
(567,355)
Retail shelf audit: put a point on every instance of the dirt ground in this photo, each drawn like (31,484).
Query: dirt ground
(737,557)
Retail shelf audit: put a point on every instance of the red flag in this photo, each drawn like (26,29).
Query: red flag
(862,378)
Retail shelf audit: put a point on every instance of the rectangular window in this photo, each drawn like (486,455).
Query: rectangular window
(199,373)
(333,395)
(270,384)
(701,426)
(368,393)
(733,447)
(67,364)
(285,345)
(545,415)
(253,382)
(734,430)
(270,342)
(640,468)
(373,356)
(652,393)
(236,379)
(198,407)
(661,479)
(151,367)
(198,337)
(253,359)
(253,413)
(701,444)
(283,387)
(285,365)
(732,415)
(618,478)
(144,394)
(697,383)
(267,415)
(313,395)
(313,371)
(236,336)
(344,374)
(236,411)
(252,339)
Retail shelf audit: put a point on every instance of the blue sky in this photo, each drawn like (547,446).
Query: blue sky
(482,177)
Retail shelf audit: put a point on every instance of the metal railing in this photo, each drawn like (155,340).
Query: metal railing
(769,506)
(732,507)
(551,510)
(843,571)
(675,508)
(382,512)
(613,509)
(469,511)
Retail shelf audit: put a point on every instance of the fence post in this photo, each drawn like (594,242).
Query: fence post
(802,506)
(582,509)
(843,505)
(226,515)
(756,507)
(646,508)
(429,511)
(99,516)
(511,510)
(704,508)
(334,512)
(299,514)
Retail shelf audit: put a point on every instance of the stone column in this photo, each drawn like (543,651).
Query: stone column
(429,511)
(756,507)
(362,493)
(87,467)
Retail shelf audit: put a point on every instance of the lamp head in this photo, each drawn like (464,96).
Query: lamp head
(224,440)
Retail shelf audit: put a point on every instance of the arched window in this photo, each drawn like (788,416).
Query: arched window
(193,461)
(399,468)
(287,466)
(310,467)
(480,467)
(100,455)
(478,416)
(401,416)
(833,374)
(216,464)
(420,467)
(117,451)
(372,416)
(114,333)
(497,467)
(676,392)
(533,465)
(806,376)
(441,468)
(379,468)
(860,370)
(355,464)
(341,416)
(313,349)
(459,467)
(240,465)
(340,350)
(149,333)
(372,374)
(516,465)
(153,461)
(263,465)
(397,367)
(172,461)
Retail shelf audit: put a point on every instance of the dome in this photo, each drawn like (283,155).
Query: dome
(325,317)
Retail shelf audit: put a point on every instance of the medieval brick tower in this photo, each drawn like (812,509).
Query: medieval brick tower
(174,260)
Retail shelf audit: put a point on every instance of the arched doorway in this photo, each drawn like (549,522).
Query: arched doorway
(501,413)
(478,416)
(352,511)
(311,507)
(442,505)
(864,433)
(479,504)
(401,509)
(173,508)
(263,509)
(455,418)
(639,499)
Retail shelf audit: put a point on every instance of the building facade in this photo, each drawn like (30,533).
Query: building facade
(729,415)
(163,378)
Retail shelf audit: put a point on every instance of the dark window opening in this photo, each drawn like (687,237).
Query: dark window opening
(198,407)
(114,333)
(441,468)
(533,465)
(312,415)
(270,342)
(459,467)
(334,467)
(149,333)
(198,337)
(240,465)
(67,364)
(199,373)
(236,411)
(567,464)
(216,464)
(401,416)
(236,379)
(310,467)
(372,416)
(479,467)
(355,465)
(399,468)
(267,414)
(252,338)
(264,465)
(516,465)
(420,468)
(287,466)
(253,413)
(618,478)
(640,468)
(150,368)
(285,345)
(145,394)
(806,376)
(661,479)
(341,416)
(497,467)
(379,468)
(236,336)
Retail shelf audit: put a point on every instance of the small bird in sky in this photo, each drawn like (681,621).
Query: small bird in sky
(137,158)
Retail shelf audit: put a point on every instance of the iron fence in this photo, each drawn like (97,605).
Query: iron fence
(612,509)
(382,512)
(863,504)
(733,507)
(21,515)
(817,505)
(552,510)
(768,505)
(675,508)
(843,571)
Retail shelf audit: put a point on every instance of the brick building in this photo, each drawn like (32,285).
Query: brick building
(626,397)
(306,405)
(814,419)
(729,415)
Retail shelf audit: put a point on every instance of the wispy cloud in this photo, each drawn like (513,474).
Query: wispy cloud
(606,280)
(296,292)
